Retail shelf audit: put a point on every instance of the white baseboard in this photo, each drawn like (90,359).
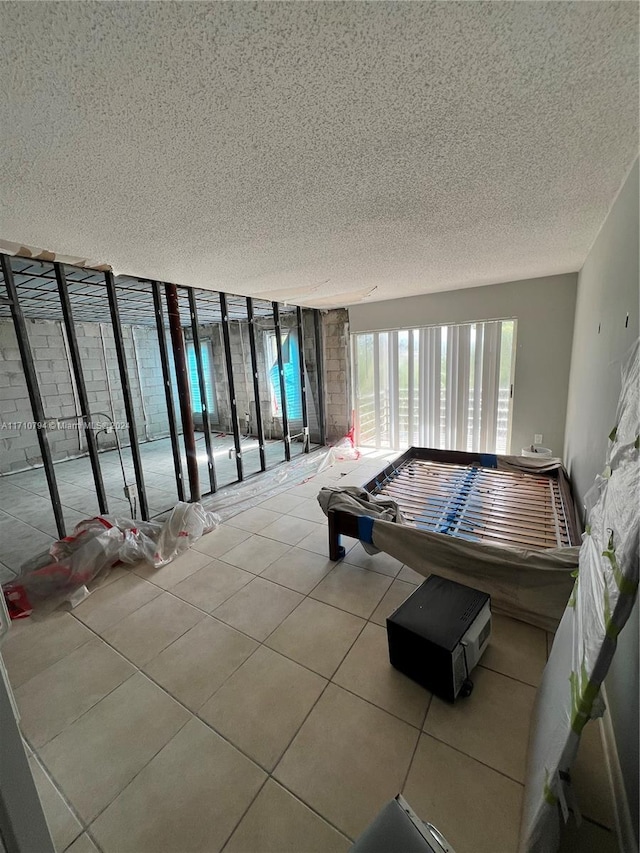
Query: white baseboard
(622,812)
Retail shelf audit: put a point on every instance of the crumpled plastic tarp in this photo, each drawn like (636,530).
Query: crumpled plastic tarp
(600,604)
(94,547)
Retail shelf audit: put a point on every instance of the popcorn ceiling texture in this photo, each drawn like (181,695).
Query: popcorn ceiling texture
(317,153)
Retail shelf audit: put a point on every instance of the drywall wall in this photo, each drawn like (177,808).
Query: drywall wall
(19,447)
(608,287)
(544,309)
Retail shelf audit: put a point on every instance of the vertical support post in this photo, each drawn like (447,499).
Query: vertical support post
(283,390)
(204,403)
(256,382)
(34,392)
(76,364)
(126,393)
(168,393)
(317,324)
(182,379)
(303,383)
(226,337)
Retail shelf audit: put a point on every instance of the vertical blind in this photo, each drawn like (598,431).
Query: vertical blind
(446,387)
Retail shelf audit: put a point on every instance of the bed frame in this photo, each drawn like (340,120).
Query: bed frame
(465,495)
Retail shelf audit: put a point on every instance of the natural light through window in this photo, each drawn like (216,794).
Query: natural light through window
(447,387)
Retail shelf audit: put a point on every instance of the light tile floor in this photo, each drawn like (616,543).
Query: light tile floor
(27,524)
(241,699)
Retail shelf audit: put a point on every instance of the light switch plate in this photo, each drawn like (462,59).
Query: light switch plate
(537,438)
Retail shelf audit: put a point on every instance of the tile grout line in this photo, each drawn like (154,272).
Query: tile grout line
(195,713)
(329,680)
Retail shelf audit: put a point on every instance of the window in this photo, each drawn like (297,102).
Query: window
(291,367)
(447,387)
(207,369)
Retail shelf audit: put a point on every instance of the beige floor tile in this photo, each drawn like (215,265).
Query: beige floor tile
(310,489)
(298,569)
(282,503)
(408,575)
(82,844)
(260,708)
(354,589)
(317,636)
(253,519)
(309,509)
(366,671)
(397,593)
(209,587)
(53,699)
(347,760)
(318,542)
(516,649)
(381,563)
(175,571)
(195,666)
(255,554)
(491,725)
(591,779)
(110,604)
(188,798)
(145,633)
(475,808)
(258,608)
(289,529)
(587,838)
(100,753)
(63,825)
(221,540)
(31,646)
(278,822)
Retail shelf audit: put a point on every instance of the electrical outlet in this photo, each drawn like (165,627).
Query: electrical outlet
(537,438)
(131,491)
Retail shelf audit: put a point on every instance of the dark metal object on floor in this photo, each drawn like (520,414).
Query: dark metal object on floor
(398,828)
(283,391)
(126,393)
(33,389)
(204,403)
(184,398)
(76,363)
(168,392)
(256,383)
(437,636)
(232,385)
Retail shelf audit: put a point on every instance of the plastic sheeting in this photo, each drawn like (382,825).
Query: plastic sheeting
(602,599)
(532,586)
(234,499)
(94,547)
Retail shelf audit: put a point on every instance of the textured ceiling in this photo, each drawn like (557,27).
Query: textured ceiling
(317,153)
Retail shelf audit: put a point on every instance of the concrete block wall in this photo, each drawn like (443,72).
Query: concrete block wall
(19,446)
(337,375)
(243,380)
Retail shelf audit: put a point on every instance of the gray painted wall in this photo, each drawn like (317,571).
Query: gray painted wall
(544,309)
(608,287)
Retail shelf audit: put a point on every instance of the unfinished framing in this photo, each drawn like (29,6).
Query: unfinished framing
(213,367)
